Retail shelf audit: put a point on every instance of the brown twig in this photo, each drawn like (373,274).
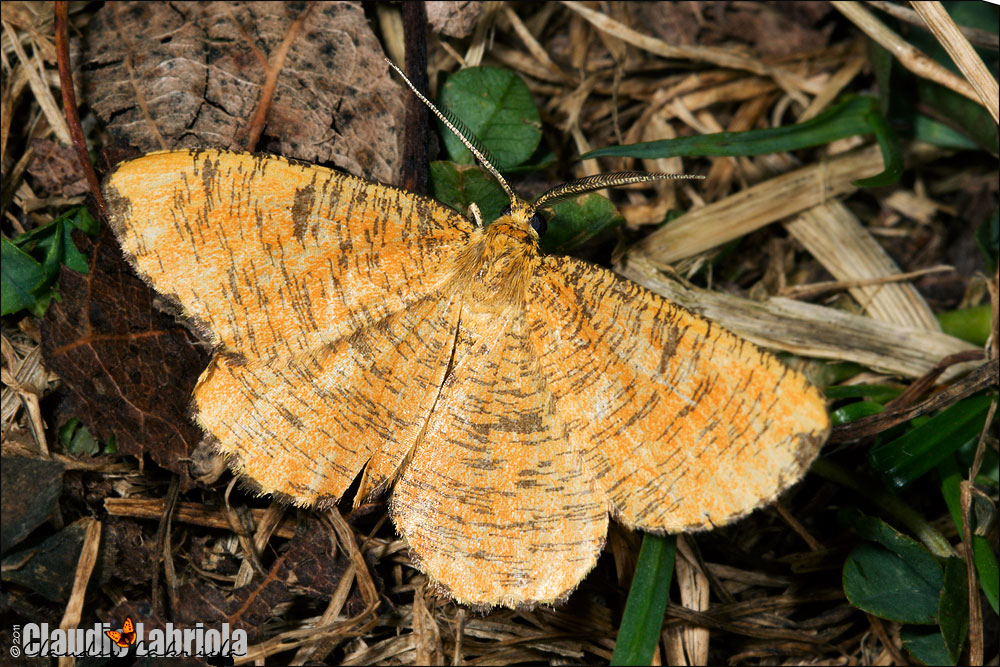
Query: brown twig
(923,383)
(69,106)
(813,290)
(980,378)
(796,525)
(163,547)
(975,610)
(191,513)
(276,62)
(966,490)
(897,657)
(85,567)
(414,169)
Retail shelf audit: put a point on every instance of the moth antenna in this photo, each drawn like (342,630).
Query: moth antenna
(601,181)
(464,134)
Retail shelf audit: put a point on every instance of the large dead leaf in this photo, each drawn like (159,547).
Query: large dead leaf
(129,369)
(170,75)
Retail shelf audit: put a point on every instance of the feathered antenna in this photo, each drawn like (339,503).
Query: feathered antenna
(464,134)
(601,181)
(571,189)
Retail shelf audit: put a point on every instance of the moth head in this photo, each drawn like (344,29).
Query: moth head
(528,213)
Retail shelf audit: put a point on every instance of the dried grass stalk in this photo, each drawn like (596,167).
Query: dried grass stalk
(751,209)
(978,37)
(848,250)
(84,568)
(687,644)
(807,329)
(43,94)
(958,47)
(791,83)
(908,55)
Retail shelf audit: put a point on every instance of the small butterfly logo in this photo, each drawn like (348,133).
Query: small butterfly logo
(126,636)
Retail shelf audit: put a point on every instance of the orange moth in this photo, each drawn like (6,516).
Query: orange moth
(512,402)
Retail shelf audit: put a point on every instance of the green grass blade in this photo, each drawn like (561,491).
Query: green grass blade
(909,456)
(888,143)
(647,601)
(854,412)
(853,116)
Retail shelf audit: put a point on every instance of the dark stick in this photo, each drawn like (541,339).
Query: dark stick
(69,106)
(414,169)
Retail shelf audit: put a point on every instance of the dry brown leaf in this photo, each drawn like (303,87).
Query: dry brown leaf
(171,75)
(454,19)
(128,368)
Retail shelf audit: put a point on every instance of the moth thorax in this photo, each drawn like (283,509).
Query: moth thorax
(496,270)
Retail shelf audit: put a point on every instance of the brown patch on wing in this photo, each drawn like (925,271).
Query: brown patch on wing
(684,425)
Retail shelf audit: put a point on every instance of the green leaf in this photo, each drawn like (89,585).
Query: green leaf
(67,430)
(893,576)
(48,246)
(54,247)
(20,275)
(458,185)
(578,220)
(908,457)
(986,568)
(878,581)
(75,437)
(540,160)
(926,647)
(499,109)
(953,607)
(904,546)
(856,115)
(854,411)
(642,619)
(969,324)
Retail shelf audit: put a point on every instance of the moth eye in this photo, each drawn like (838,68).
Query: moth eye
(505,211)
(539,224)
